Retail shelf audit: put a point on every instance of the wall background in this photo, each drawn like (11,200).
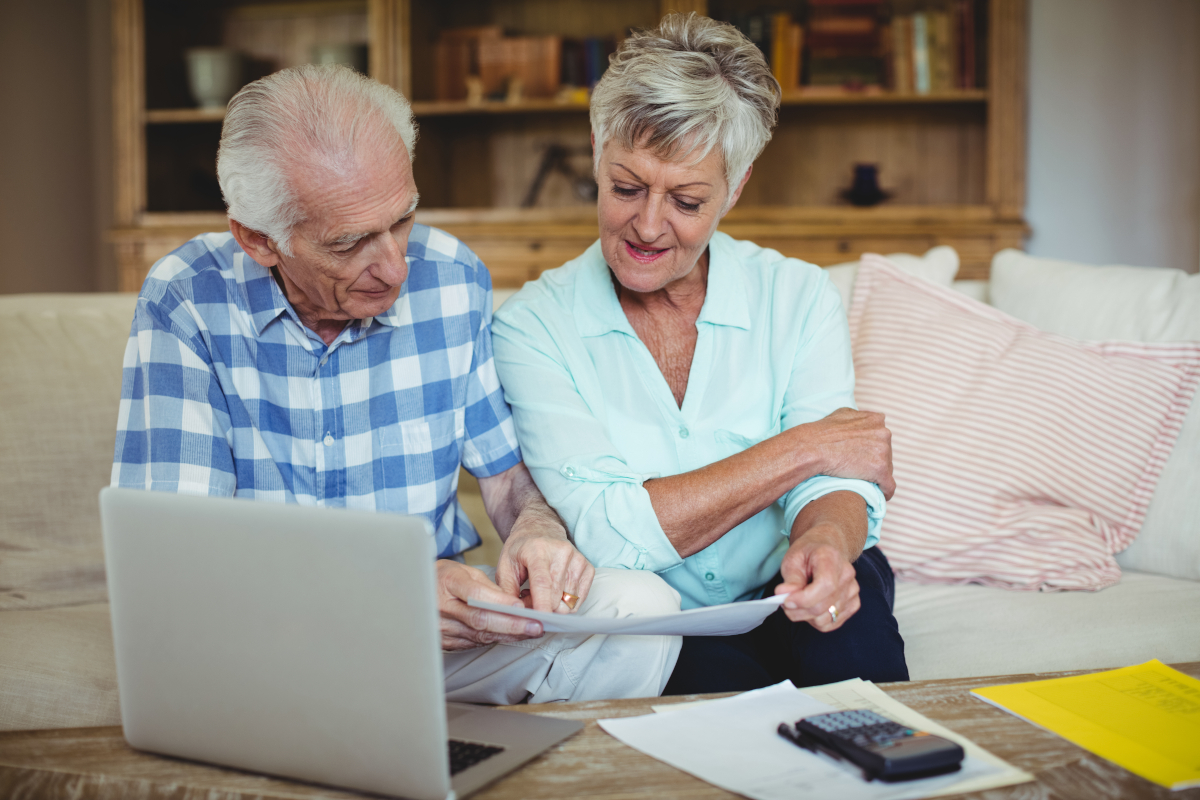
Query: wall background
(1114,137)
(1114,131)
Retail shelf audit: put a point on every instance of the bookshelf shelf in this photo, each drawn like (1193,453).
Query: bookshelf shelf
(171,116)
(953,160)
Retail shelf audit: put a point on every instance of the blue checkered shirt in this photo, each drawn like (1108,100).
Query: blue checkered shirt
(225,392)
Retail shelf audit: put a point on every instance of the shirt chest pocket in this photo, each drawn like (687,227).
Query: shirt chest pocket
(421,452)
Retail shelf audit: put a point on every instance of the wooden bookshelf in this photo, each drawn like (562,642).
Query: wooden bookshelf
(954,160)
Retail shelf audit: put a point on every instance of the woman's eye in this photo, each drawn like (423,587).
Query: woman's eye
(625,191)
(686,206)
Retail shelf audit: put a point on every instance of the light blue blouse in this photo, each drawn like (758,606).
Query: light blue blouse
(595,417)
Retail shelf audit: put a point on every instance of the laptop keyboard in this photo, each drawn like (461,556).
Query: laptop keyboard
(468,754)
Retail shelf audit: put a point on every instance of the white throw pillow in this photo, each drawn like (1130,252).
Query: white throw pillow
(1140,304)
(939,265)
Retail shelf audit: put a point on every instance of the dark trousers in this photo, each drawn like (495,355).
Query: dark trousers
(867,646)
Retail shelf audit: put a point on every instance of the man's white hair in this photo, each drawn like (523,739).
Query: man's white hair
(688,86)
(295,119)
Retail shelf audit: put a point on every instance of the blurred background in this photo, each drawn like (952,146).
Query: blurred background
(1068,127)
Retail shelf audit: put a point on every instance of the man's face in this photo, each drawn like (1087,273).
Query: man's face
(349,260)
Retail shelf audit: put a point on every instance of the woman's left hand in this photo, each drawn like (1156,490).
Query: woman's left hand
(819,579)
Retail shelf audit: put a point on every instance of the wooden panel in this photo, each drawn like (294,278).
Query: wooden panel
(390,57)
(129,142)
(926,155)
(1006,121)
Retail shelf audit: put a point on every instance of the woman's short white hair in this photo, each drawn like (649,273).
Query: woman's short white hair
(296,119)
(689,85)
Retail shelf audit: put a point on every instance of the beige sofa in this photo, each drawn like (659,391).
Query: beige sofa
(58,408)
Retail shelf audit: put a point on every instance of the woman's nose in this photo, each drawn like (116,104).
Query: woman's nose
(650,221)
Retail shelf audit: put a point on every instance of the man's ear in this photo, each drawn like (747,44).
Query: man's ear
(256,245)
(737,193)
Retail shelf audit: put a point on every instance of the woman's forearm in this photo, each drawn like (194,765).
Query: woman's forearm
(696,508)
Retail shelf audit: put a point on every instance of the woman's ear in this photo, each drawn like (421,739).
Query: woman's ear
(737,193)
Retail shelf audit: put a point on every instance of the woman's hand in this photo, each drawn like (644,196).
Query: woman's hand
(850,444)
(818,569)
(818,576)
(538,550)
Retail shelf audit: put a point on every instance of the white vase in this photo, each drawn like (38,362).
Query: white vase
(214,75)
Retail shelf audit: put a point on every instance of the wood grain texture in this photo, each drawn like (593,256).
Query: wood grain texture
(517,245)
(1007,62)
(129,101)
(96,762)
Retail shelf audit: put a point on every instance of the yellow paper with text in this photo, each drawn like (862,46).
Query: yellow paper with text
(1145,718)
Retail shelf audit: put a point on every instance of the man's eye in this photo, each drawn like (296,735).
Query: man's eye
(349,249)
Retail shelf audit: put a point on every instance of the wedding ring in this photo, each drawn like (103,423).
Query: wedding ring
(570,600)
(833,612)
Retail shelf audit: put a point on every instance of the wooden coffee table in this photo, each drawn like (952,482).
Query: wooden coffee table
(96,762)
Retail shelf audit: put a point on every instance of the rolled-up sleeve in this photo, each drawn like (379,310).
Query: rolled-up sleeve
(822,381)
(562,436)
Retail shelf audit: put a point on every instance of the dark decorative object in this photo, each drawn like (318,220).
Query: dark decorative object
(865,190)
(557,159)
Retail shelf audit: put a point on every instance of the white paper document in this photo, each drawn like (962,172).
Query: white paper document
(733,743)
(726,620)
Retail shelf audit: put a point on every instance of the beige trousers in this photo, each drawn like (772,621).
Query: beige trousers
(576,666)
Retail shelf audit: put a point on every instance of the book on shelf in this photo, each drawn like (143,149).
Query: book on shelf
(945,45)
(497,61)
(787,43)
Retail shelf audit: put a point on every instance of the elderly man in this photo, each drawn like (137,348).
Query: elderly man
(330,351)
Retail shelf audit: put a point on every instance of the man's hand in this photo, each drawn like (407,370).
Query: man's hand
(464,627)
(818,568)
(538,550)
(852,444)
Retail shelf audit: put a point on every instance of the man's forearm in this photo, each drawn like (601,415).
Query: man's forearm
(513,495)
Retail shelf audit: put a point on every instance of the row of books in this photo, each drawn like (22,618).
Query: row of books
(866,45)
(541,66)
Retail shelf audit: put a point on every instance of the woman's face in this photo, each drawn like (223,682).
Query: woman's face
(656,216)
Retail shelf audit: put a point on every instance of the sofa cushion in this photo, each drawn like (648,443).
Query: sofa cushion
(1136,304)
(57,668)
(967,631)
(1022,459)
(58,410)
(939,265)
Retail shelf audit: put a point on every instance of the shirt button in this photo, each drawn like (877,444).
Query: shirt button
(329,440)
(683,432)
(569,472)
(708,576)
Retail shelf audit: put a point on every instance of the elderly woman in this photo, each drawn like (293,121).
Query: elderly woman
(684,399)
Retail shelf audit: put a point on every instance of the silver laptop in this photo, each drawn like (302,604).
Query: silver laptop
(295,641)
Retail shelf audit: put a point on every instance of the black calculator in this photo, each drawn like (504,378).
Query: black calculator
(878,746)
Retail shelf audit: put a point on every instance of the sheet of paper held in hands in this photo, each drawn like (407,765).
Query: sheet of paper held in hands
(859,694)
(726,620)
(732,743)
(1145,718)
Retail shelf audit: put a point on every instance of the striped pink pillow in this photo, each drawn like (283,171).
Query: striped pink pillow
(1022,459)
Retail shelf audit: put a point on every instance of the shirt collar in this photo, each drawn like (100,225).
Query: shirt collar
(597,310)
(266,301)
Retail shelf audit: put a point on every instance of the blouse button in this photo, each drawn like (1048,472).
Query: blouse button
(708,576)
(683,432)
(569,472)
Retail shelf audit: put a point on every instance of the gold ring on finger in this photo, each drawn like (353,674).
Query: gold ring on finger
(570,600)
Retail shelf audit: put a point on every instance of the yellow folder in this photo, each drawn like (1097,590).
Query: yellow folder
(1145,718)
